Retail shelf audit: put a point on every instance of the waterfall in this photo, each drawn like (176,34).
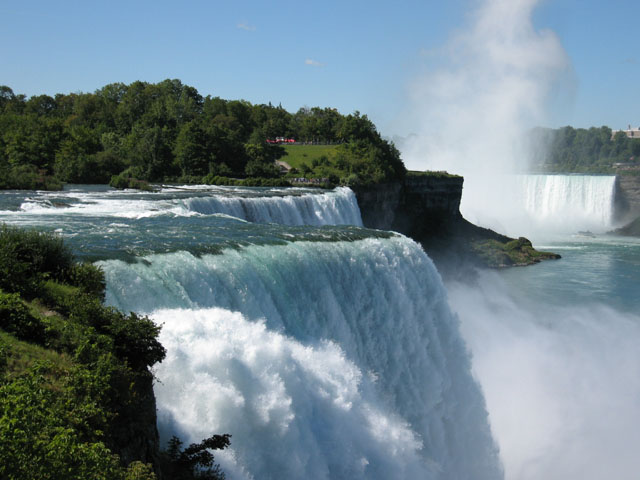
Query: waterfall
(285,207)
(337,207)
(322,359)
(534,205)
(579,200)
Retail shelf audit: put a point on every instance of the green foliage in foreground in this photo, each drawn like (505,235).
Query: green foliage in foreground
(75,384)
(512,253)
(27,258)
(16,319)
(195,461)
(44,429)
(131,134)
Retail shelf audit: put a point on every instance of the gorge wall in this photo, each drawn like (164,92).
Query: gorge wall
(627,197)
(418,205)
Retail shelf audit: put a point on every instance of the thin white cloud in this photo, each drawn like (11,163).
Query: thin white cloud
(246,26)
(313,63)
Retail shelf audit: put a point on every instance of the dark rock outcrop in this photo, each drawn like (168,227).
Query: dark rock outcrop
(426,207)
(631,229)
(138,439)
(627,196)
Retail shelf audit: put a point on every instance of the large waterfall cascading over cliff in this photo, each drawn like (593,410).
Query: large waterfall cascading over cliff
(338,207)
(323,359)
(327,351)
(577,200)
(541,204)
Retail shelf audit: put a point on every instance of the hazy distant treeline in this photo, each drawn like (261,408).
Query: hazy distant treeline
(167,131)
(593,150)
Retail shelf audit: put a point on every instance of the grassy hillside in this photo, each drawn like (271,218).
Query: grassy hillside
(298,155)
(351,163)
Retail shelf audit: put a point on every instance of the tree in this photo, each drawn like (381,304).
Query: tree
(195,461)
(32,140)
(148,148)
(192,152)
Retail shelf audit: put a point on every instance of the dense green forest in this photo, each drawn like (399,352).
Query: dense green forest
(593,150)
(168,132)
(76,397)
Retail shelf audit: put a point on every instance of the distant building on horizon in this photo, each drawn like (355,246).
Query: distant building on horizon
(630,132)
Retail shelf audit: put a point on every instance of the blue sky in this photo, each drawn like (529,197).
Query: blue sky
(352,55)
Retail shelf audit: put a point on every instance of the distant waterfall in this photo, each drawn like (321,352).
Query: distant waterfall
(324,360)
(582,201)
(540,204)
(337,207)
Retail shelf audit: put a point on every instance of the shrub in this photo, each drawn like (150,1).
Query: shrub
(89,278)
(247,182)
(16,319)
(139,471)
(4,355)
(38,434)
(27,257)
(27,177)
(135,339)
(130,178)
(195,461)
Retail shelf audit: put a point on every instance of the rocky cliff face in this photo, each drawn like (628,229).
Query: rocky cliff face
(138,439)
(628,196)
(414,206)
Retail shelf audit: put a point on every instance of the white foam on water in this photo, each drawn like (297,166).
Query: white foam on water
(322,359)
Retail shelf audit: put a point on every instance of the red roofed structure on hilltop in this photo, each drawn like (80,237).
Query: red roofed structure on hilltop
(279,140)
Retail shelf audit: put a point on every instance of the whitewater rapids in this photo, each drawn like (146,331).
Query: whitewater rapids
(322,359)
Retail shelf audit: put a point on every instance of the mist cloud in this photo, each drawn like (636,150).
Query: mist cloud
(489,86)
(561,382)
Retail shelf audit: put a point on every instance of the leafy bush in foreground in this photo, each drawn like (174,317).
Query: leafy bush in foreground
(28,257)
(16,319)
(76,397)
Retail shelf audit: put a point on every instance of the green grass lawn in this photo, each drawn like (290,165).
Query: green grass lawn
(299,154)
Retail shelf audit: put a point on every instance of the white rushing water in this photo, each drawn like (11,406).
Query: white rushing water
(577,200)
(338,207)
(323,360)
(533,204)
(291,207)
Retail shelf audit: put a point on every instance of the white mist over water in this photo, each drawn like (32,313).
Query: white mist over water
(561,382)
(471,111)
(324,360)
